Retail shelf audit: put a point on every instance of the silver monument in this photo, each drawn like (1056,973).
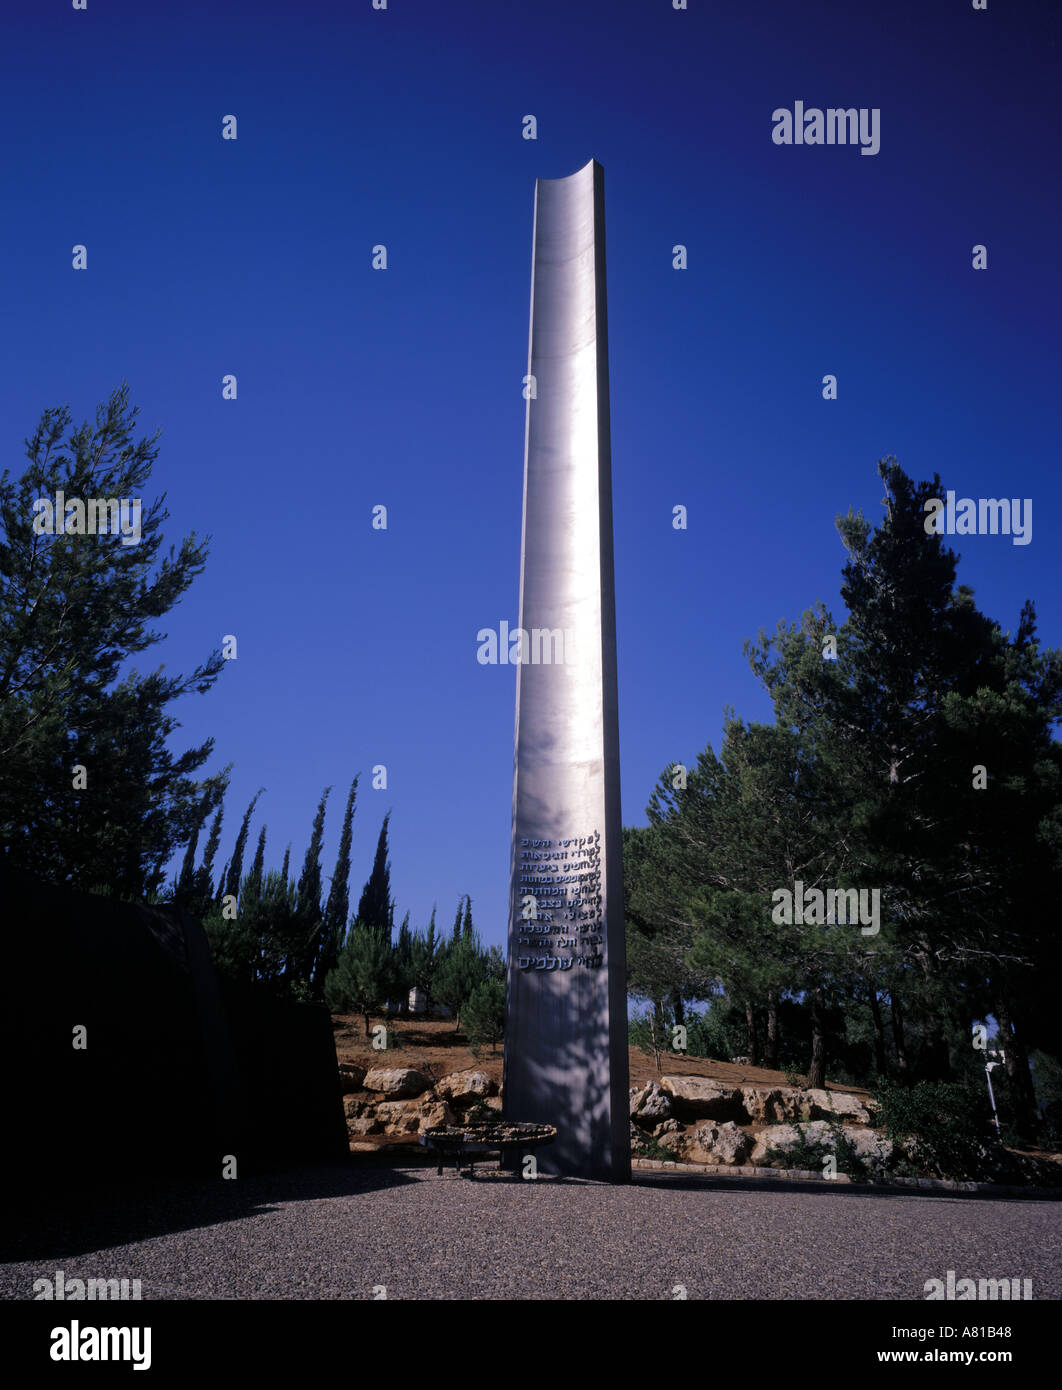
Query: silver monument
(566,1015)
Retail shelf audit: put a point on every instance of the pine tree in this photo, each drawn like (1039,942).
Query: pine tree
(463,968)
(74,607)
(404,962)
(364,977)
(484,1014)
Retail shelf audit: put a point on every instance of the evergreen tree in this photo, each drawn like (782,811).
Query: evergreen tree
(404,958)
(484,1013)
(205,877)
(423,960)
(463,968)
(74,607)
(375,909)
(235,871)
(364,978)
(924,688)
(338,905)
(308,899)
(185,887)
(253,886)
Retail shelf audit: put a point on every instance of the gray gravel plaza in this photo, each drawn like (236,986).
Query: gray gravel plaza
(339,1232)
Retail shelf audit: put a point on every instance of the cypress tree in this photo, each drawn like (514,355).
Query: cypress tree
(376,910)
(204,878)
(308,897)
(254,881)
(338,905)
(235,873)
(184,892)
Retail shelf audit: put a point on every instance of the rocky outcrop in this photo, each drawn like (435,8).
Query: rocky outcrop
(364,1124)
(695,1097)
(786,1137)
(351,1077)
(650,1105)
(719,1143)
(847,1108)
(465,1087)
(398,1083)
(784,1104)
(405,1117)
(874,1149)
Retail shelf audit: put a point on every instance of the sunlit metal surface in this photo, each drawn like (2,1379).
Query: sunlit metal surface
(566,1030)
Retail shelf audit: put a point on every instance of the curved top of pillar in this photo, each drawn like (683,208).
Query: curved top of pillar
(586,172)
(567,214)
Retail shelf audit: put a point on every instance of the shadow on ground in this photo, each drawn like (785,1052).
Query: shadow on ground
(705,1183)
(76,1219)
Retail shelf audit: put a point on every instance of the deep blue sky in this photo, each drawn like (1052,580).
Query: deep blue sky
(403,387)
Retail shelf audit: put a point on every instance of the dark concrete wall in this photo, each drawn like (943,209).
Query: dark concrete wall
(177,1071)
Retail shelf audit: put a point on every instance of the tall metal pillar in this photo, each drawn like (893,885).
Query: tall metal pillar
(566,1014)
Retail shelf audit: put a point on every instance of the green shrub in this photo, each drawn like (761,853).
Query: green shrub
(649,1146)
(944,1127)
(484,1015)
(811,1154)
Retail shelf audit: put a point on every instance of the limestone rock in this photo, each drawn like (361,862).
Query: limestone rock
(775,1104)
(465,1087)
(351,1077)
(784,1104)
(785,1137)
(873,1148)
(650,1105)
(364,1124)
(353,1108)
(405,1117)
(847,1108)
(719,1143)
(397,1082)
(695,1097)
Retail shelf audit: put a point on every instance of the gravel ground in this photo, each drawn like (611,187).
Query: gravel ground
(340,1232)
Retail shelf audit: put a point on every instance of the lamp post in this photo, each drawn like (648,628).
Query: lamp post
(996,1057)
